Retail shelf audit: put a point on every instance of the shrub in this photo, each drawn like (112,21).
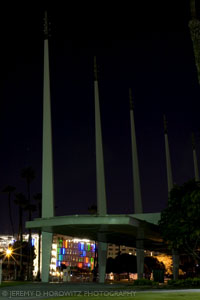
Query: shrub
(189,282)
(144,281)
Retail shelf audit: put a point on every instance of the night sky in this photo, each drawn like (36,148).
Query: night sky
(153,56)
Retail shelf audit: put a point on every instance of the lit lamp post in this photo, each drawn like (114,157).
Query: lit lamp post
(8,254)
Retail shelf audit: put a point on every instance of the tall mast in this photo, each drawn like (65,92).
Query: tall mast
(100,176)
(47,153)
(47,160)
(136,176)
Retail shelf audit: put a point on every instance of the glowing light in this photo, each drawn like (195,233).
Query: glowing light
(82,246)
(81,240)
(8,252)
(60,257)
(54,246)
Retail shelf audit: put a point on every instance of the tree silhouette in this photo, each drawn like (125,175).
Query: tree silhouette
(9,189)
(125,263)
(21,201)
(179,224)
(152,263)
(28,174)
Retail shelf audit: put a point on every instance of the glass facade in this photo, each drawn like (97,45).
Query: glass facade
(74,253)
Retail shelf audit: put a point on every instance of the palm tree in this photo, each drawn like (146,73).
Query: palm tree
(92,209)
(21,201)
(38,198)
(10,189)
(28,174)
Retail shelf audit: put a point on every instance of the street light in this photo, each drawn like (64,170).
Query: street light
(9,252)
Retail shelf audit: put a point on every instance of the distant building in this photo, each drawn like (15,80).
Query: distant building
(72,252)
(114,250)
(68,251)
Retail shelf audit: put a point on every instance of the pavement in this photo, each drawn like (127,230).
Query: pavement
(38,290)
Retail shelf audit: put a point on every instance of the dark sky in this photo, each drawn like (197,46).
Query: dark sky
(153,55)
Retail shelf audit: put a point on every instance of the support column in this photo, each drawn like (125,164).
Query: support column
(102,259)
(176,261)
(47,161)
(46,255)
(140,253)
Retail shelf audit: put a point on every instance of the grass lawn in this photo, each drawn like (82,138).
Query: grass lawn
(12,283)
(141,296)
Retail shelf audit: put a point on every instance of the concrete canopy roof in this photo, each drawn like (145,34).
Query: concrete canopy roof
(114,229)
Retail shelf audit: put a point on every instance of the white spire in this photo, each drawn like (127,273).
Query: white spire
(136,176)
(101,190)
(47,156)
(168,160)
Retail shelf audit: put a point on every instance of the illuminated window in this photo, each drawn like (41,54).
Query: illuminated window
(58,263)
(59,257)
